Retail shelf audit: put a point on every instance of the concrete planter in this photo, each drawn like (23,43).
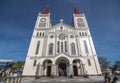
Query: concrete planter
(71,76)
(52,76)
(86,76)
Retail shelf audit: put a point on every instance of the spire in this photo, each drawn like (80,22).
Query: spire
(76,11)
(46,11)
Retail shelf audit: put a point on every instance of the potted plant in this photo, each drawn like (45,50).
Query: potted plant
(53,75)
(72,75)
(36,76)
(86,75)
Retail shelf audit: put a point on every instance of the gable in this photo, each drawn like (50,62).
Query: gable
(61,28)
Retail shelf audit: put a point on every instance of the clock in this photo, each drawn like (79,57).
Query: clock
(43,19)
(61,36)
(80,20)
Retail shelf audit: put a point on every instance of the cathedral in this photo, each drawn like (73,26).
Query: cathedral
(61,49)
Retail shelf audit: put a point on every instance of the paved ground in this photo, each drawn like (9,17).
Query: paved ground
(92,79)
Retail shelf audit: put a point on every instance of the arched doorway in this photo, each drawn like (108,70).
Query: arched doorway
(47,64)
(77,67)
(62,66)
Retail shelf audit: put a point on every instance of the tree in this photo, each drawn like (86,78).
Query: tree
(18,65)
(104,63)
(116,65)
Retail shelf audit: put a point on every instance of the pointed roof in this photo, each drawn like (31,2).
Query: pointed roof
(46,11)
(76,11)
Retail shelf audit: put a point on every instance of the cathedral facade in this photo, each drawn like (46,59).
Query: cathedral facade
(61,49)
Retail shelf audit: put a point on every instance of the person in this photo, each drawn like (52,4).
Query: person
(3,74)
(115,79)
(62,72)
(107,78)
(59,72)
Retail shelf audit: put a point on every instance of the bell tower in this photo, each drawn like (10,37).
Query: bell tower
(43,20)
(79,20)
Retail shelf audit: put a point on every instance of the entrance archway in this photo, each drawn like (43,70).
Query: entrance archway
(77,67)
(62,69)
(62,66)
(47,64)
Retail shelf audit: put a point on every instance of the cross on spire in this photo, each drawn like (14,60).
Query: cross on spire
(61,20)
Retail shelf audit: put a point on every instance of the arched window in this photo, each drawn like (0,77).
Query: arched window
(61,46)
(85,33)
(80,24)
(82,33)
(61,28)
(85,46)
(34,63)
(89,63)
(37,48)
(65,46)
(73,51)
(42,24)
(37,34)
(40,33)
(50,49)
(58,46)
(43,34)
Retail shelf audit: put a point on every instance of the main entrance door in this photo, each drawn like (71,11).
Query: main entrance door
(47,64)
(62,66)
(62,69)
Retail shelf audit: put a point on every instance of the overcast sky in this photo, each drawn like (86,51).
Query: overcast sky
(18,17)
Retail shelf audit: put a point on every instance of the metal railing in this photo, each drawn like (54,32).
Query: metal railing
(16,79)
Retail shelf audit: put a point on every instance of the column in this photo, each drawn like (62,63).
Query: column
(53,70)
(83,69)
(40,68)
(68,71)
(78,69)
(71,69)
(57,70)
(37,70)
(44,70)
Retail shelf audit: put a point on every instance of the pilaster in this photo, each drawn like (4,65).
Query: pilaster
(53,69)
(71,69)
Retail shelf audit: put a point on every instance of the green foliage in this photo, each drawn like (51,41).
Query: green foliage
(18,65)
(104,63)
(116,65)
(15,65)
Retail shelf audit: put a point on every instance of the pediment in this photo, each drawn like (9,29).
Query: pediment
(61,28)
(64,25)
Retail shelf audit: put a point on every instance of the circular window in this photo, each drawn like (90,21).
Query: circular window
(79,19)
(51,36)
(71,36)
(43,19)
